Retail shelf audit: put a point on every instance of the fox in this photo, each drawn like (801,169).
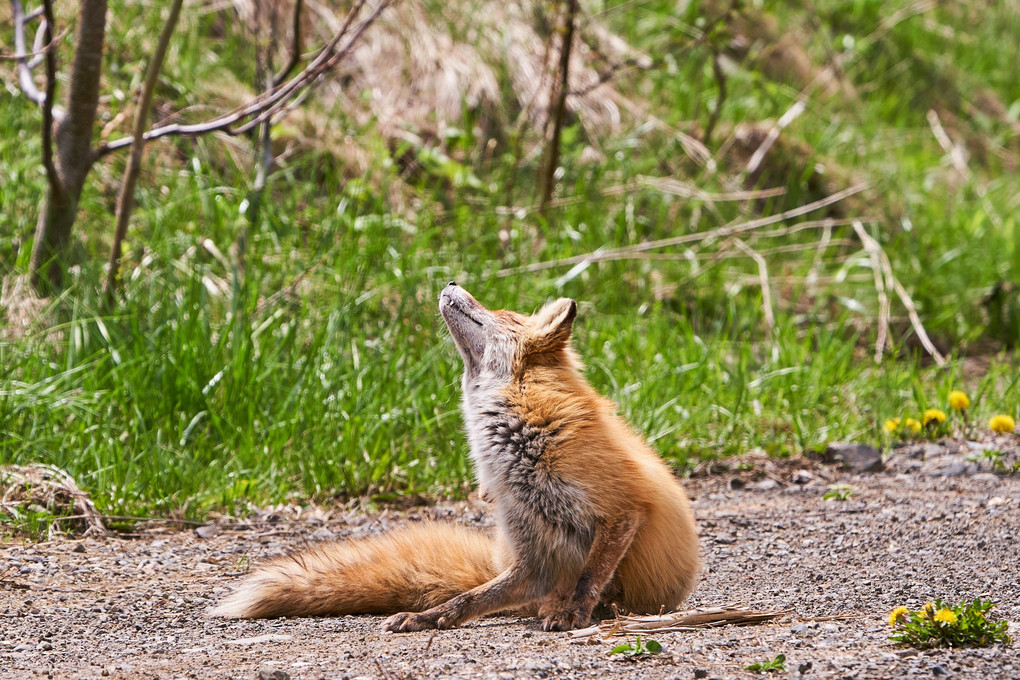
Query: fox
(586,513)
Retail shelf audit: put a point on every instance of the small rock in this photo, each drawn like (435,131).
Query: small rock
(921,451)
(208,531)
(700,673)
(323,534)
(948,466)
(78,548)
(737,483)
(766,484)
(273,674)
(855,457)
(939,669)
(802,477)
(804,667)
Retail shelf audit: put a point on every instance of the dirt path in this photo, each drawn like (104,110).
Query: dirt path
(133,608)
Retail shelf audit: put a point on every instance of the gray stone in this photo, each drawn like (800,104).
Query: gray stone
(855,457)
(273,674)
(949,466)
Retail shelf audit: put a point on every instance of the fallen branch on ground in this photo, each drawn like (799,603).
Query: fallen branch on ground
(691,619)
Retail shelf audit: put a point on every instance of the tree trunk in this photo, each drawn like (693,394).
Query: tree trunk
(74,155)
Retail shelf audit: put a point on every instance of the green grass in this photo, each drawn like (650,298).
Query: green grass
(216,383)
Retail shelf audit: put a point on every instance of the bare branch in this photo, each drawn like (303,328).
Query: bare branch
(265,105)
(21,55)
(560,96)
(295,46)
(125,200)
(47,106)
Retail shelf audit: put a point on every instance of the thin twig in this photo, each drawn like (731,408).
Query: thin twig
(875,253)
(52,176)
(264,106)
(954,151)
(665,185)
(901,292)
(21,55)
(773,134)
(706,236)
(816,263)
(126,198)
(295,46)
(559,96)
(763,279)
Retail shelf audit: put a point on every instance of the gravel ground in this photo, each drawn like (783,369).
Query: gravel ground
(932,524)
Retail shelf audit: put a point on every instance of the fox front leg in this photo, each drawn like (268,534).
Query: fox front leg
(612,540)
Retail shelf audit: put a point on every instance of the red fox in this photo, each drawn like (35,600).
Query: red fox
(586,511)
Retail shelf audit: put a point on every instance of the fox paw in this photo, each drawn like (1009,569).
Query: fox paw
(406,622)
(566,619)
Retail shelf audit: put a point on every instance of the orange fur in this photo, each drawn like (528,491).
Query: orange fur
(412,568)
(586,511)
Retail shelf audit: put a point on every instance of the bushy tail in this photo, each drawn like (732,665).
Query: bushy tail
(408,569)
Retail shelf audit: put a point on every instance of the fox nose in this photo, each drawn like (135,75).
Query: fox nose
(452,283)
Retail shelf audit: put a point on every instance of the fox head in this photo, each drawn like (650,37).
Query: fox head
(500,344)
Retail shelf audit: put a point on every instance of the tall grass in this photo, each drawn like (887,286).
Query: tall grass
(313,363)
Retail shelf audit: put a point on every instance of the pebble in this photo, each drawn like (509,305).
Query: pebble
(273,674)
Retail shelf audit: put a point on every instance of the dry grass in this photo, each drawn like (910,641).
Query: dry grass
(417,71)
(47,488)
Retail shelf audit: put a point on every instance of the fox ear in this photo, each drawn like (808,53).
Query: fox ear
(553,324)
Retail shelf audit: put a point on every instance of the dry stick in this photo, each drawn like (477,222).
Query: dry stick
(561,92)
(759,154)
(883,299)
(126,198)
(692,619)
(21,54)
(52,176)
(720,79)
(704,236)
(816,263)
(908,303)
(957,156)
(763,279)
(295,46)
(954,151)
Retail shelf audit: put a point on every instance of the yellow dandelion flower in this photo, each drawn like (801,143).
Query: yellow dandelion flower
(891,425)
(1002,423)
(895,614)
(934,415)
(926,610)
(945,616)
(912,424)
(958,401)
